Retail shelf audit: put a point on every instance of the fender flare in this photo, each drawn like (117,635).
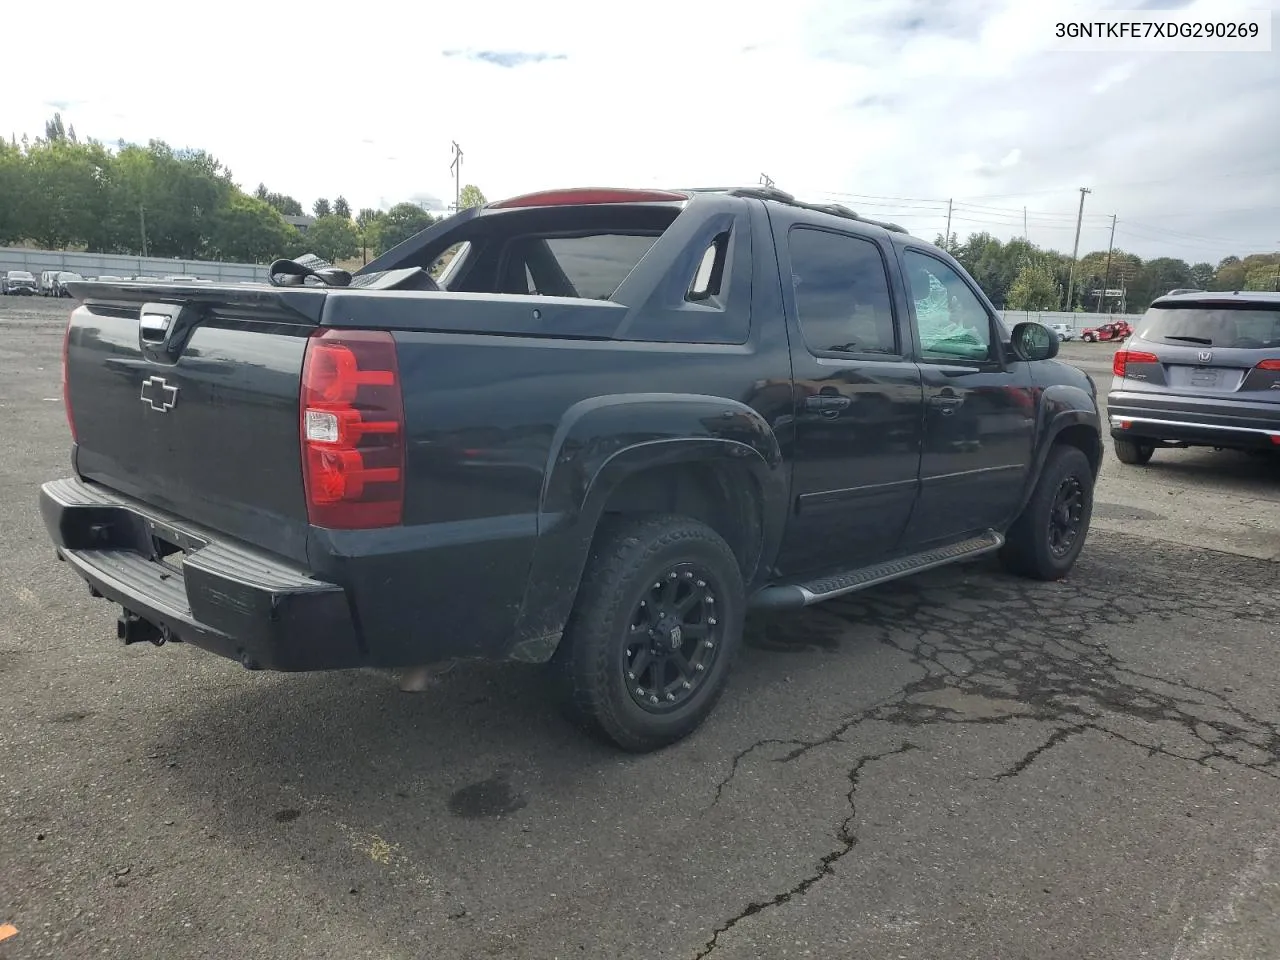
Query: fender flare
(1062,406)
(586,465)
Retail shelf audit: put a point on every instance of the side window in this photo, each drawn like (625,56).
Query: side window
(842,293)
(950,319)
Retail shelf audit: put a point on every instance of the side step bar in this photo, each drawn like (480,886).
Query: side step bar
(793,595)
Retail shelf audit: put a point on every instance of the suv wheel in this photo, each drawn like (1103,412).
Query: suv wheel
(1130,451)
(1047,537)
(654,632)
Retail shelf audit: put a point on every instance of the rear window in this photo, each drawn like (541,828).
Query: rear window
(1223,327)
(597,265)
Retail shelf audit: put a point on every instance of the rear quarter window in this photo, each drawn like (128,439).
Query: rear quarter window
(597,265)
(1223,327)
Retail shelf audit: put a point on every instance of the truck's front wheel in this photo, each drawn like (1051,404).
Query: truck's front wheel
(654,632)
(1045,540)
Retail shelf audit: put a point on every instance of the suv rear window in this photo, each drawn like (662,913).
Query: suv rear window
(1241,328)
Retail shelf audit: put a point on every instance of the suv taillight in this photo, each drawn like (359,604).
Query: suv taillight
(352,428)
(1269,365)
(66,390)
(1125,357)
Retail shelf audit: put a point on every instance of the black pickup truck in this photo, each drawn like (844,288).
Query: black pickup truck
(616,421)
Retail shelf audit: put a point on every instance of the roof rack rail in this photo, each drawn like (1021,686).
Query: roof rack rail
(781,196)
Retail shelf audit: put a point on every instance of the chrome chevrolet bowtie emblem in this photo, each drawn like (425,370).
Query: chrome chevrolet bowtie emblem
(1206,356)
(159,394)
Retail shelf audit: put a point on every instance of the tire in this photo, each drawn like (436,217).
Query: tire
(1088,338)
(596,662)
(1132,452)
(1031,547)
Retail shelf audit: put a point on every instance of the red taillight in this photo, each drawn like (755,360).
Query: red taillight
(1269,365)
(554,198)
(1125,357)
(66,391)
(352,427)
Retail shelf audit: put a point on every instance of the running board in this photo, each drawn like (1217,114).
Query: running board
(791,595)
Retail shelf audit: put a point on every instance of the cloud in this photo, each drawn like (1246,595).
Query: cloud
(505,58)
(890,106)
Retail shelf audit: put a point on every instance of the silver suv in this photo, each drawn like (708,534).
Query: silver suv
(1202,369)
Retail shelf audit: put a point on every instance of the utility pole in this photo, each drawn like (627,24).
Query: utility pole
(1075,250)
(1106,279)
(946,237)
(456,167)
(142,220)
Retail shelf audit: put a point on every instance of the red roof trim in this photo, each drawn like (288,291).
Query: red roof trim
(584,195)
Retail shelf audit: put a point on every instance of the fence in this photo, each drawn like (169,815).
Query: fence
(114,265)
(1076,321)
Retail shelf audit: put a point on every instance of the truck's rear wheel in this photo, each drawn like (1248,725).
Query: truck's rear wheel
(1047,537)
(654,632)
(1130,451)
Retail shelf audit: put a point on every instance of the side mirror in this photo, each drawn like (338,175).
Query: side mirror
(1034,341)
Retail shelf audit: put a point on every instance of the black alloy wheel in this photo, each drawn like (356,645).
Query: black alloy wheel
(1065,516)
(674,639)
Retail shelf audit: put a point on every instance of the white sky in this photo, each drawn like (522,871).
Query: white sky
(890,106)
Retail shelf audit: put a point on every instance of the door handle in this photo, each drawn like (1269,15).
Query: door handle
(826,403)
(947,405)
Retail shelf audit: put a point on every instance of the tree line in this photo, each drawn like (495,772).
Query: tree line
(59,192)
(1017,275)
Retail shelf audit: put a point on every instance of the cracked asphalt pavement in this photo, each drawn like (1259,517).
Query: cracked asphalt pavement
(961,765)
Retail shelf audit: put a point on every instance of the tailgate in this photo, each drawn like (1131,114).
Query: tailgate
(190,403)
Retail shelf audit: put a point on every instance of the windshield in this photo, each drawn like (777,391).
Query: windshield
(1238,327)
(20,275)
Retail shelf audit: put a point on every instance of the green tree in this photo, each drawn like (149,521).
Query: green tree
(11,193)
(1231,274)
(1263,271)
(341,208)
(334,238)
(282,202)
(1202,275)
(471,197)
(368,224)
(400,223)
(1034,288)
(61,194)
(250,230)
(54,130)
(321,208)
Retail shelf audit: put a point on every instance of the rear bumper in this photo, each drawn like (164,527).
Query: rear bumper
(225,598)
(1193,420)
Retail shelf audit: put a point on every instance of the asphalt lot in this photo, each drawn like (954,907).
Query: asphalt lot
(963,765)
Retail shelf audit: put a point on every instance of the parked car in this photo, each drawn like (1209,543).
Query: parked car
(610,428)
(1063,331)
(60,282)
(1118,330)
(1202,370)
(18,283)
